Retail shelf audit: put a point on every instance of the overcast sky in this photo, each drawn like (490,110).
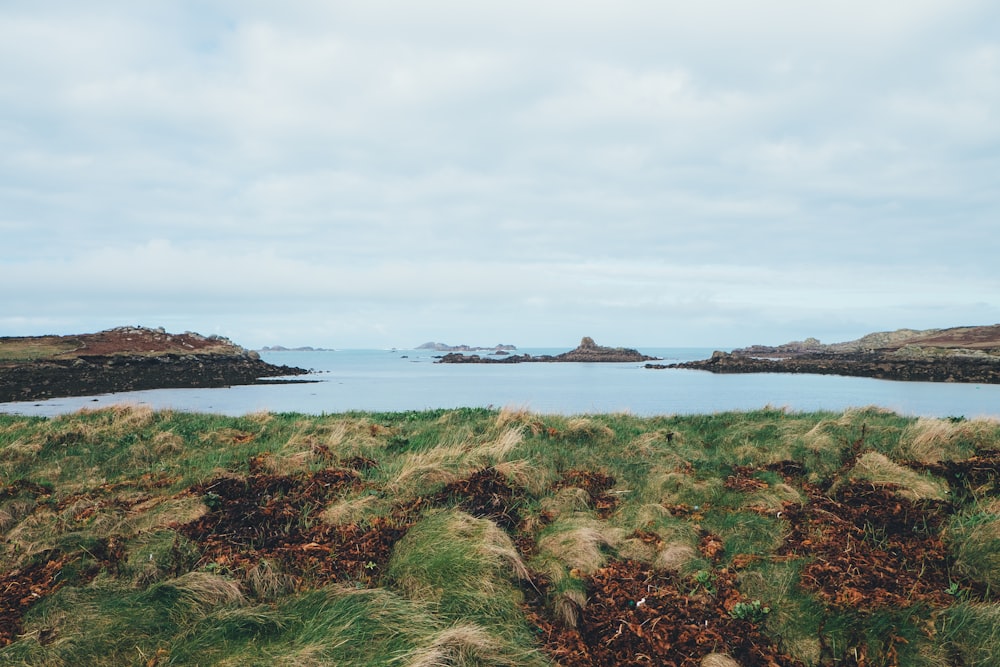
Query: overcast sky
(378,174)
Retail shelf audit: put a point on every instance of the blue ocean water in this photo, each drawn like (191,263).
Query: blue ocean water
(398,380)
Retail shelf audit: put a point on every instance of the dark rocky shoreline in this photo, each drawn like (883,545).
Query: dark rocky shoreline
(126,359)
(105,374)
(878,365)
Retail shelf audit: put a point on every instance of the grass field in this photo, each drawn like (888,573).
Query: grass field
(498,537)
(35,349)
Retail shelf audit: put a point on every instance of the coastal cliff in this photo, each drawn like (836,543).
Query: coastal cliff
(958,354)
(588,351)
(125,359)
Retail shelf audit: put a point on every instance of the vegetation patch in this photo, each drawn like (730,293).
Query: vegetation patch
(473,537)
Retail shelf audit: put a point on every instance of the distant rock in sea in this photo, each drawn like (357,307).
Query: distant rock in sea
(588,351)
(444,347)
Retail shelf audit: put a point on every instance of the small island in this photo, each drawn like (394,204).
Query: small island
(958,354)
(588,351)
(126,359)
(444,347)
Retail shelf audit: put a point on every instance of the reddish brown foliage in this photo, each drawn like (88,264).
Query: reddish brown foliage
(275,517)
(485,494)
(22,588)
(636,616)
(743,480)
(596,484)
(870,548)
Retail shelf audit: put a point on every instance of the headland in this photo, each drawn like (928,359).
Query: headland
(126,359)
(968,354)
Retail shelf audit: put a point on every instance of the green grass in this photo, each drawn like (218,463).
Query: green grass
(34,349)
(453,588)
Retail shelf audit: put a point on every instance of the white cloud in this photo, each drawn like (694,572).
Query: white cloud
(650,166)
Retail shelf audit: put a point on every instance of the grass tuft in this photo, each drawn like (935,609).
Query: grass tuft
(878,469)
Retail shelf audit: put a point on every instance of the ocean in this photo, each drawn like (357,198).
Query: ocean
(401,380)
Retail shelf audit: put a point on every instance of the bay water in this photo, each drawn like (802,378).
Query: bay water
(401,380)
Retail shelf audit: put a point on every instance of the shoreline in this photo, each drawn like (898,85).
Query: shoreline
(85,376)
(955,369)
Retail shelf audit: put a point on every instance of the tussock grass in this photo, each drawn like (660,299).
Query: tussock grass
(795,615)
(718,660)
(580,544)
(459,645)
(354,509)
(878,469)
(204,590)
(932,440)
(675,487)
(774,497)
(674,557)
(972,631)
(451,592)
(466,568)
(974,536)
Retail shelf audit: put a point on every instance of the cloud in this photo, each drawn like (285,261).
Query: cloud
(694,170)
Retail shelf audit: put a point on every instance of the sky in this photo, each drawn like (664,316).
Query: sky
(357,174)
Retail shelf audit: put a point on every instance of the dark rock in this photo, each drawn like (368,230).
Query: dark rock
(129,359)
(588,351)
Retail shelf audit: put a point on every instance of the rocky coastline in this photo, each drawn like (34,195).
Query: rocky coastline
(960,354)
(126,359)
(588,351)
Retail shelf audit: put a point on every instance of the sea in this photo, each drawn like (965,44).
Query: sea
(402,380)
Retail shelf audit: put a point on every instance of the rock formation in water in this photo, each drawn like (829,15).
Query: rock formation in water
(588,351)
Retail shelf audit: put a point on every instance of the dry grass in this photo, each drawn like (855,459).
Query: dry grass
(634,548)
(674,487)
(164,512)
(353,509)
(660,443)
(567,605)
(18,452)
(267,583)
(524,474)
(675,557)
(933,440)
(498,548)
(579,543)
(167,443)
(774,496)
(878,469)
(464,644)
(566,501)
(497,449)
(584,427)
(206,590)
(818,439)
(420,471)
(518,417)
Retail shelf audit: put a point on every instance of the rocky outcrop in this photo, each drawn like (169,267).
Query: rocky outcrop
(961,354)
(588,351)
(125,359)
(444,347)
